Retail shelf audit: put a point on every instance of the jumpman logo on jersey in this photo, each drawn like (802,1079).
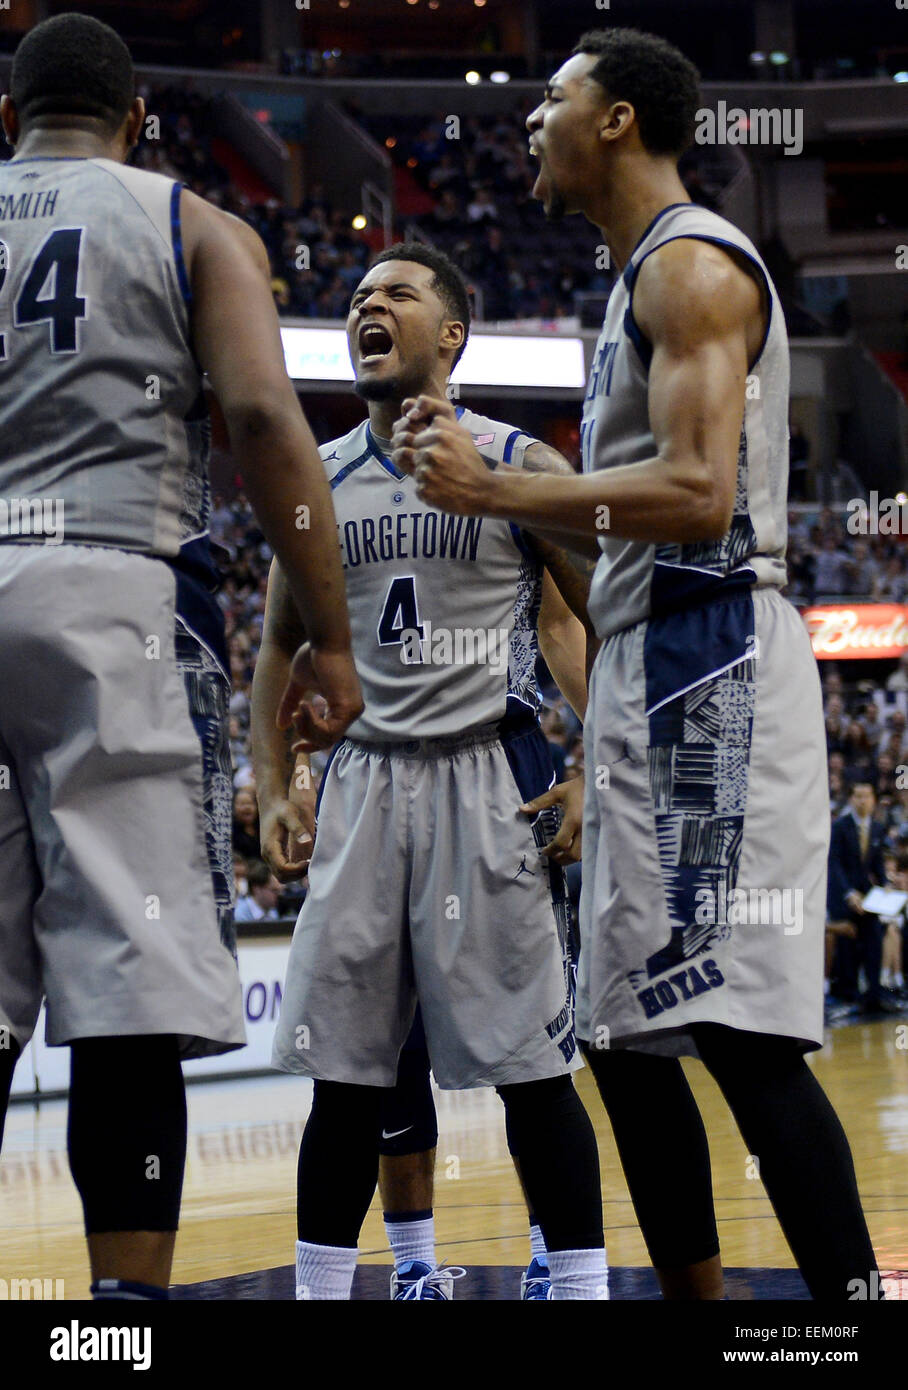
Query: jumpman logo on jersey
(523,869)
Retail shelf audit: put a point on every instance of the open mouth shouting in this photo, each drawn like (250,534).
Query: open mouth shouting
(375,343)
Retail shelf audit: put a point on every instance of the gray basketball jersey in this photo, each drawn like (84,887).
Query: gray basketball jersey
(101,411)
(633,580)
(443,608)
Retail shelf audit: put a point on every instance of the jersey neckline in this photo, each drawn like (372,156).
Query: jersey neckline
(670,207)
(51,159)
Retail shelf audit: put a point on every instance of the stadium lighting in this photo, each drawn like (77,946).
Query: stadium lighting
(901,498)
(778,59)
(473,78)
(500,76)
(433,4)
(480,4)
(758,57)
(360,222)
(900,77)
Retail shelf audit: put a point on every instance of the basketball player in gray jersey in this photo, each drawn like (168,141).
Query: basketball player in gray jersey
(117,290)
(427,883)
(705,733)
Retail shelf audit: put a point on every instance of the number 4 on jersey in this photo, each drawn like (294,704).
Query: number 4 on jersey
(57,260)
(400,613)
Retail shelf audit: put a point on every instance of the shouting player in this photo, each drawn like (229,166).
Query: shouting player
(426,882)
(116,290)
(704,730)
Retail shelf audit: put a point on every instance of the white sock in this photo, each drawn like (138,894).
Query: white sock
(412,1240)
(324,1271)
(886,978)
(537,1244)
(577,1274)
(898,980)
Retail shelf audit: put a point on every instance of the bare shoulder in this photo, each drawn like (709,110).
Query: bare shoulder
(694,287)
(206,226)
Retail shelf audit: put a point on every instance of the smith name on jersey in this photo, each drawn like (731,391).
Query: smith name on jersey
(443,608)
(102,414)
(101,405)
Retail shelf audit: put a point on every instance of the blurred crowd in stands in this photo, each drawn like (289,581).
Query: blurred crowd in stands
(480,175)
(825,560)
(483,212)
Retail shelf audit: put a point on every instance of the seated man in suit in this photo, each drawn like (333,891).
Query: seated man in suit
(855,866)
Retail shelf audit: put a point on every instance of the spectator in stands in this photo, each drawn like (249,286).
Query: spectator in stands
(885,785)
(838,795)
(836,724)
(260,903)
(870,721)
(482,207)
(447,215)
(798,457)
(890,586)
(246,824)
(832,679)
(573,763)
(898,680)
(858,754)
(855,865)
(831,567)
(863,570)
(554,729)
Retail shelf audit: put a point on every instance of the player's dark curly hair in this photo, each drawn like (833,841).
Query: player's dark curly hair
(448,282)
(73,65)
(655,77)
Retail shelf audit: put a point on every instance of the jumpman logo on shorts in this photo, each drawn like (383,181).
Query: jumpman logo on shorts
(523,869)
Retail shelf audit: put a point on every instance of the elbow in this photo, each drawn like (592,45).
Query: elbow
(706,509)
(712,525)
(255,418)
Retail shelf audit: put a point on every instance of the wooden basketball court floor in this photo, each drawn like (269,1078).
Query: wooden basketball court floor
(238,1200)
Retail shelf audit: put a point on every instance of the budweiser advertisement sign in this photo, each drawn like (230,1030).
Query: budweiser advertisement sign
(857,630)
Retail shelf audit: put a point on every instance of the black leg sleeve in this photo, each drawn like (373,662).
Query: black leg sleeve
(338,1162)
(788,1123)
(126,1134)
(551,1134)
(664,1153)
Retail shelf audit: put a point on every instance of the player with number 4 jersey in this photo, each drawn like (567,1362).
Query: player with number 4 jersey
(428,885)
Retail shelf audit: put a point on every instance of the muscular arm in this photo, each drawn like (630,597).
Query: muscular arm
(237,339)
(703,316)
(582,551)
(284,791)
(562,641)
(571,561)
(282,634)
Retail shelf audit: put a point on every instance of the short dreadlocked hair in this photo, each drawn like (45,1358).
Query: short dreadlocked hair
(73,65)
(655,77)
(448,281)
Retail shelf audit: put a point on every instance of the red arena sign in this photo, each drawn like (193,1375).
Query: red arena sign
(851,631)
